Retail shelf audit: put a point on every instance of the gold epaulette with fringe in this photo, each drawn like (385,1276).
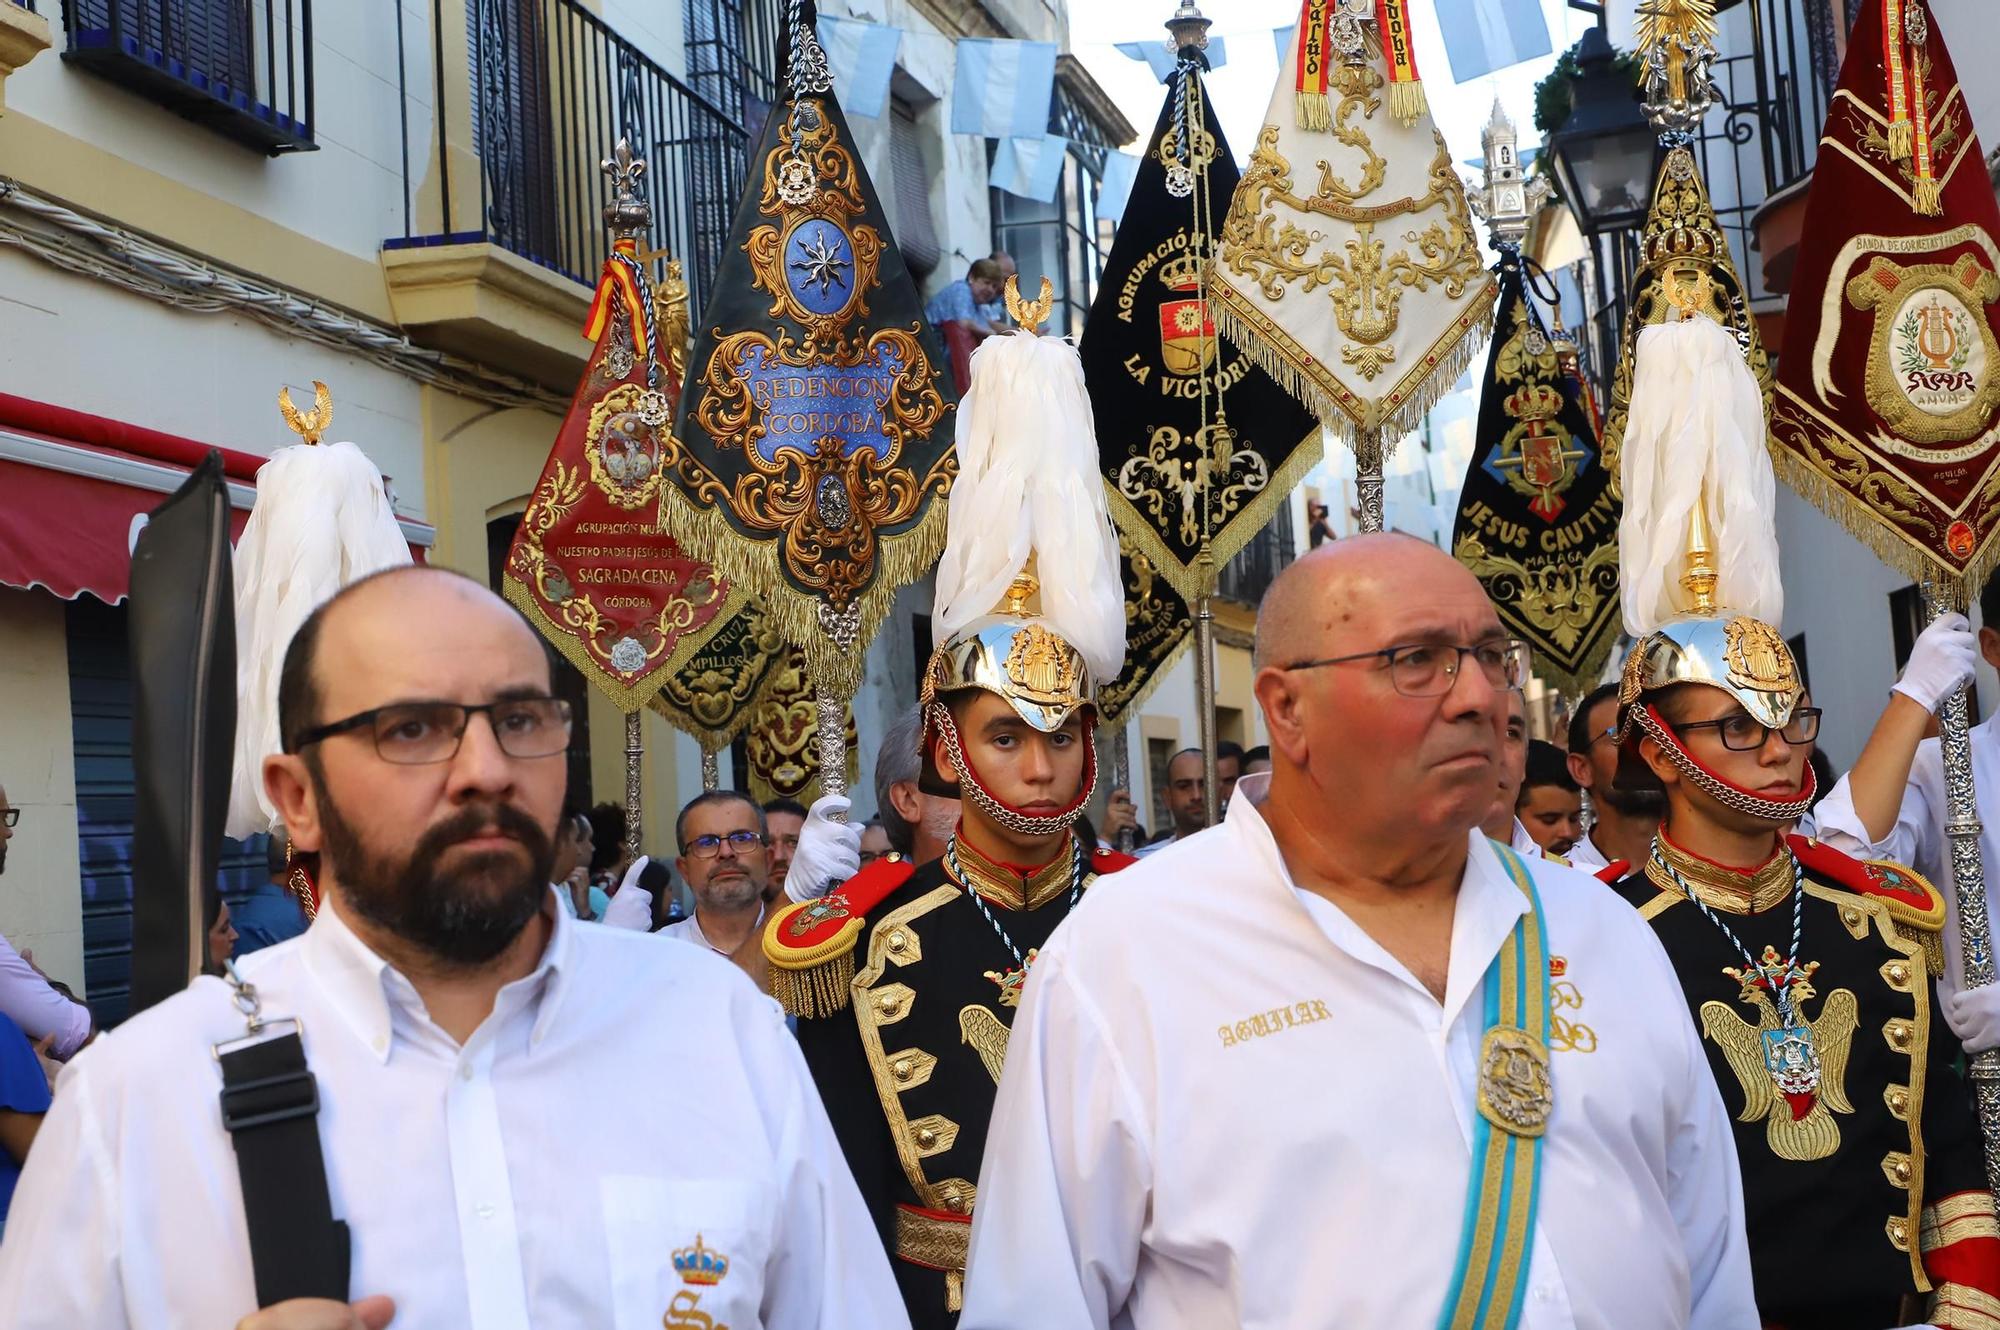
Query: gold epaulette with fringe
(810,944)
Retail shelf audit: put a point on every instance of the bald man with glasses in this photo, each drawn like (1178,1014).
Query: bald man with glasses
(1342,1060)
(454,1021)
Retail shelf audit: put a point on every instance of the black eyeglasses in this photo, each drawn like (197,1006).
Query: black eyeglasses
(419,733)
(739,842)
(1430,670)
(1742,733)
(11,817)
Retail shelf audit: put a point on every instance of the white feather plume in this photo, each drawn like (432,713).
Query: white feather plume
(321,520)
(1697,421)
(1028,482)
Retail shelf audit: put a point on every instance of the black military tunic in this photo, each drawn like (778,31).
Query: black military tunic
(906,993)
(1839,1184)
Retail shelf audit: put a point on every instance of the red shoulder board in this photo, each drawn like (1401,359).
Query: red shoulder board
(1615,871)
(1110,861)
(1910,898)
(808,933)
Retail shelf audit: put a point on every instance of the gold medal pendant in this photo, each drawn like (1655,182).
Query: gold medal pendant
(1011,981)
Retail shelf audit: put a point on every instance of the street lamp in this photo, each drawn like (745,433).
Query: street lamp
(1603,154)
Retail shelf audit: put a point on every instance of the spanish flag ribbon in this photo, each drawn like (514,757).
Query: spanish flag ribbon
(1406,89)
(1926,193)
(1315,64)
(624,280)
(1893,65)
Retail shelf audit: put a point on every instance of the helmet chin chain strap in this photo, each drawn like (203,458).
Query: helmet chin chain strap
(1723,792)
(1013,819)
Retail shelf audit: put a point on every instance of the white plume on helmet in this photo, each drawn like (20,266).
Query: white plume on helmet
(1696,430)
(321,521)
(1028,483)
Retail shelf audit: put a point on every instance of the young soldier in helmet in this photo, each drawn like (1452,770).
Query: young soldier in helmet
(1809,974)
(906,980)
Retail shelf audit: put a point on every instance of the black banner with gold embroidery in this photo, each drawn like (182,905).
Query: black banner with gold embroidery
(1538,516)
(812,449)
(1158,628)
(715,694)
(781,746)
(1198,444)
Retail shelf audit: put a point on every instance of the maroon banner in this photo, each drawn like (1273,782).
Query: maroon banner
(591,566)
(1889,385)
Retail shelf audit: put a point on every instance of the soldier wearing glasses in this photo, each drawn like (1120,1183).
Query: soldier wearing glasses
(1811,977)
(454,1020)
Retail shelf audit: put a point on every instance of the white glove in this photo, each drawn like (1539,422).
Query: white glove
(829,850)
(1974,1016)
(631,905)
(1940,663)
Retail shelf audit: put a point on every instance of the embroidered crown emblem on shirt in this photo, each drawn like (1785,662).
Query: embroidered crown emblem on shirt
(700,1264)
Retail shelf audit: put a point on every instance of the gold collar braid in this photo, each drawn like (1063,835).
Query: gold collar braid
(1731,890)
(1004,884)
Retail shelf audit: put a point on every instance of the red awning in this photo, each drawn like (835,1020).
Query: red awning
(72,483)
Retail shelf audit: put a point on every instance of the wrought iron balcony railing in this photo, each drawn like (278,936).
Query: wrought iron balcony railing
(242,67)
(530,96)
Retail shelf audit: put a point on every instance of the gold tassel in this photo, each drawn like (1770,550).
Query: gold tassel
(818,992)
(1313,109)
(1902,140)
(1407,102)
(954,1290)
(1927,197)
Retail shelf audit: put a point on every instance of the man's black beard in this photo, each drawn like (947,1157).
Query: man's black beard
(464,919)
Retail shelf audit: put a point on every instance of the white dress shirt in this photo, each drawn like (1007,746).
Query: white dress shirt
(1225,1104)
(1524,844)
(474,1179)
(689,930)
(1585,855)
(1918,837)
(32,1003)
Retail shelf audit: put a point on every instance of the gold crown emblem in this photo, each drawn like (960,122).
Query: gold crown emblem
(699,1264)
(1183,272)
(1535,401)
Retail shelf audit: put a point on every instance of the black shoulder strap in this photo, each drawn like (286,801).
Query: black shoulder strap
(270,1104)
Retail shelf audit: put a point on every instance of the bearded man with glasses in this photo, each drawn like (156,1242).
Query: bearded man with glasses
(1812,977)
(453,1021)
(726,861)
(1345,1061)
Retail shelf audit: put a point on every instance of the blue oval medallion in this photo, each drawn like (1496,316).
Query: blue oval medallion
(819,267)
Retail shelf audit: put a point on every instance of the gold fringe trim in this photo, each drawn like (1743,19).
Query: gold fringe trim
(1866,525)
(1111,720)
(1233,536)
(1231,323)
(815,994)
(1902,140)
(1451,367)
(1314,110)
(1408,103)
(705,532)
(626,697)
(1473,326)
(1928,198)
